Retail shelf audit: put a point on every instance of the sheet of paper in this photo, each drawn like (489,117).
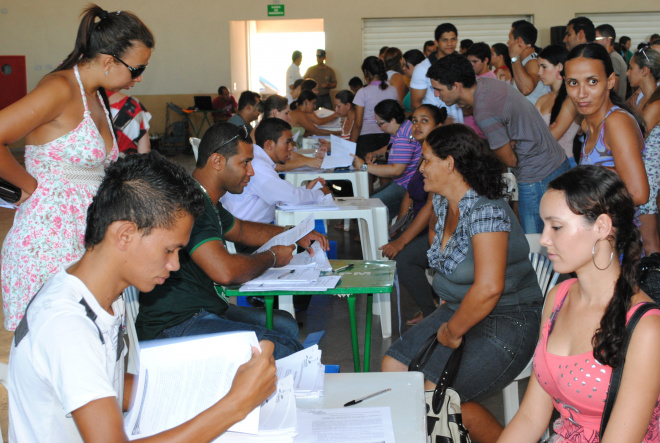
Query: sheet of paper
(322,284)
(327,203)
(341,153)
(169,391)
(304,366)
(319,260)
(291,236)
(345,425)
(286,276)
(6,204)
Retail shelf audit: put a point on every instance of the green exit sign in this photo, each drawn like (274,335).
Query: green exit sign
(275,10)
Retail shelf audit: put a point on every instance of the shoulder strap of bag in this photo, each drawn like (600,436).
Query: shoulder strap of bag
(422,357)
(448,377)
(617,373)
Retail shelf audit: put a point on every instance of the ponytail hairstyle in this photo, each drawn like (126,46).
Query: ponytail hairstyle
(345,96)
(595,51)
(591,191)
(480,170)
(439,114)
(274,103)
(374,69)
(114,33)
(556,54)
(304,96)
(503,50)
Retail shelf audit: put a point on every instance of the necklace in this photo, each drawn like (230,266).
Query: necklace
(215,208)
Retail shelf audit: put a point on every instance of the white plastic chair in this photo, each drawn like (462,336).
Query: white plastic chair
(547,279)
(194,143)
(132,303)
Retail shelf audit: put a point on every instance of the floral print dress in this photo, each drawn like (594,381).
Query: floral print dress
(49,227)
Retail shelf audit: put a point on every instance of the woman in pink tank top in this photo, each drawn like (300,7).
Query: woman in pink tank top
(69,142)
(589,230)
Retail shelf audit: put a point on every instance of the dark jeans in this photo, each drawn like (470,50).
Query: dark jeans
(240,318)
(411,266)
(496,349)
(391,195)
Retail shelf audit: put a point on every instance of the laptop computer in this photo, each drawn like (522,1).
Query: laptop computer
(203,102)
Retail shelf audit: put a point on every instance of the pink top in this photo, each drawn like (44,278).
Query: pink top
(578,384)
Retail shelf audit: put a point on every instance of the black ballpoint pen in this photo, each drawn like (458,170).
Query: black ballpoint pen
(359,400)
(343,268)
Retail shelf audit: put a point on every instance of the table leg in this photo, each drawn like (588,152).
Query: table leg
(269,301)
(356,351)
(367,333)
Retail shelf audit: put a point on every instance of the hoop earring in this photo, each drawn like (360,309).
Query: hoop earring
(593,255)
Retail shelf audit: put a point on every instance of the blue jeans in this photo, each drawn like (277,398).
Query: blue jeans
(240,318)
(391,195)
(496,349)
(529,200)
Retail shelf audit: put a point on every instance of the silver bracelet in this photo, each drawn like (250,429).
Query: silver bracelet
(274,257)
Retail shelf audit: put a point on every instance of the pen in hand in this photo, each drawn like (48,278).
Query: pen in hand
(286,273)
(360,400)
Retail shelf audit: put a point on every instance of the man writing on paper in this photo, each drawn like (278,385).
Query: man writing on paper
(274,145)
(66,364)
(187,303)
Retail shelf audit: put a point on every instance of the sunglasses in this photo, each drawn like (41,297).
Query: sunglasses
(242,133)
(644,52)
(135,72)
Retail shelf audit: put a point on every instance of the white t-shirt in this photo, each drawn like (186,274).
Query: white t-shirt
(61,364)
(264,191)
(292,74)
(540,89)
(419,80)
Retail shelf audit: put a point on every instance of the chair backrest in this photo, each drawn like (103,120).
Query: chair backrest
(194,142)
(535,245)
(545,275)
(132,303)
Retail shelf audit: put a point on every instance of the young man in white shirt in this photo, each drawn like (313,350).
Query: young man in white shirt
(293,73)
(66,365)
(273,145)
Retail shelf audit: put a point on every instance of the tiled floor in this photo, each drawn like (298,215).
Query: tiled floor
(329,314)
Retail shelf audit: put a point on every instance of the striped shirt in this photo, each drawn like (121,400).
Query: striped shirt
(405,151)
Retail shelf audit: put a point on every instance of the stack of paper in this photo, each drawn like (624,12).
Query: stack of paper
(345,425)
(327,203)
(340,153)
(307,371)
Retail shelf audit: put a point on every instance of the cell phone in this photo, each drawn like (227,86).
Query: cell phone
(343,168)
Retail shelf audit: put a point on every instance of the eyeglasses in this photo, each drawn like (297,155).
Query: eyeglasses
(135,72)
(242,133)
(380,123)
(600,38)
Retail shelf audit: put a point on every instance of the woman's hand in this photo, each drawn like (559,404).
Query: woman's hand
(446,339)
(391,249)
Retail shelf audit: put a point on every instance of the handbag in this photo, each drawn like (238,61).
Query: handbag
(402,223)
(617,373)
(648,276)
(9,192)
(444,422)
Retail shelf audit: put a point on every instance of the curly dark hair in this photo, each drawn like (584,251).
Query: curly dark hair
(480,170)
(591,191)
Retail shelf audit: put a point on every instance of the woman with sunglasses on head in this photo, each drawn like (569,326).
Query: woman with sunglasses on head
(644,72)
(410,242)
(588,216)
(556,108)
(69,141)
(614,137)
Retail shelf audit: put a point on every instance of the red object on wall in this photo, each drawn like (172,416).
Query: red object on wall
(13,79)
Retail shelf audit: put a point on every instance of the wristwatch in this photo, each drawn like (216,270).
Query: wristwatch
(364,166)
(514,59)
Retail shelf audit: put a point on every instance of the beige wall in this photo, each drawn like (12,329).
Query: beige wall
(192,38)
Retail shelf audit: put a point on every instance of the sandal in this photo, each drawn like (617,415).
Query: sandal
(416,319)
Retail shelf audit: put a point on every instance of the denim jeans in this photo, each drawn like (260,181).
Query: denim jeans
(529,200)
(496,349)
(391,196)
(411,266)
(240,318)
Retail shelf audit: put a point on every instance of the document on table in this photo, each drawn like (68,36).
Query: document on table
(286,275)
(291,236)
(340,156)
(327,203)
(345,425)
(171,390)
(306,369)
(322,284)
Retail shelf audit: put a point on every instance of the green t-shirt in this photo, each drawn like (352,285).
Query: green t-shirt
(188,290)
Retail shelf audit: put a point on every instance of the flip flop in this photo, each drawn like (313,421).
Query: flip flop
(416,319)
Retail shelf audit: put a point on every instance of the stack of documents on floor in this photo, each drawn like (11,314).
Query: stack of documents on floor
(303,273)
(307,371)
(181,377)
(327,203)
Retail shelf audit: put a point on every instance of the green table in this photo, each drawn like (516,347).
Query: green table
(366,277)
(188,113)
